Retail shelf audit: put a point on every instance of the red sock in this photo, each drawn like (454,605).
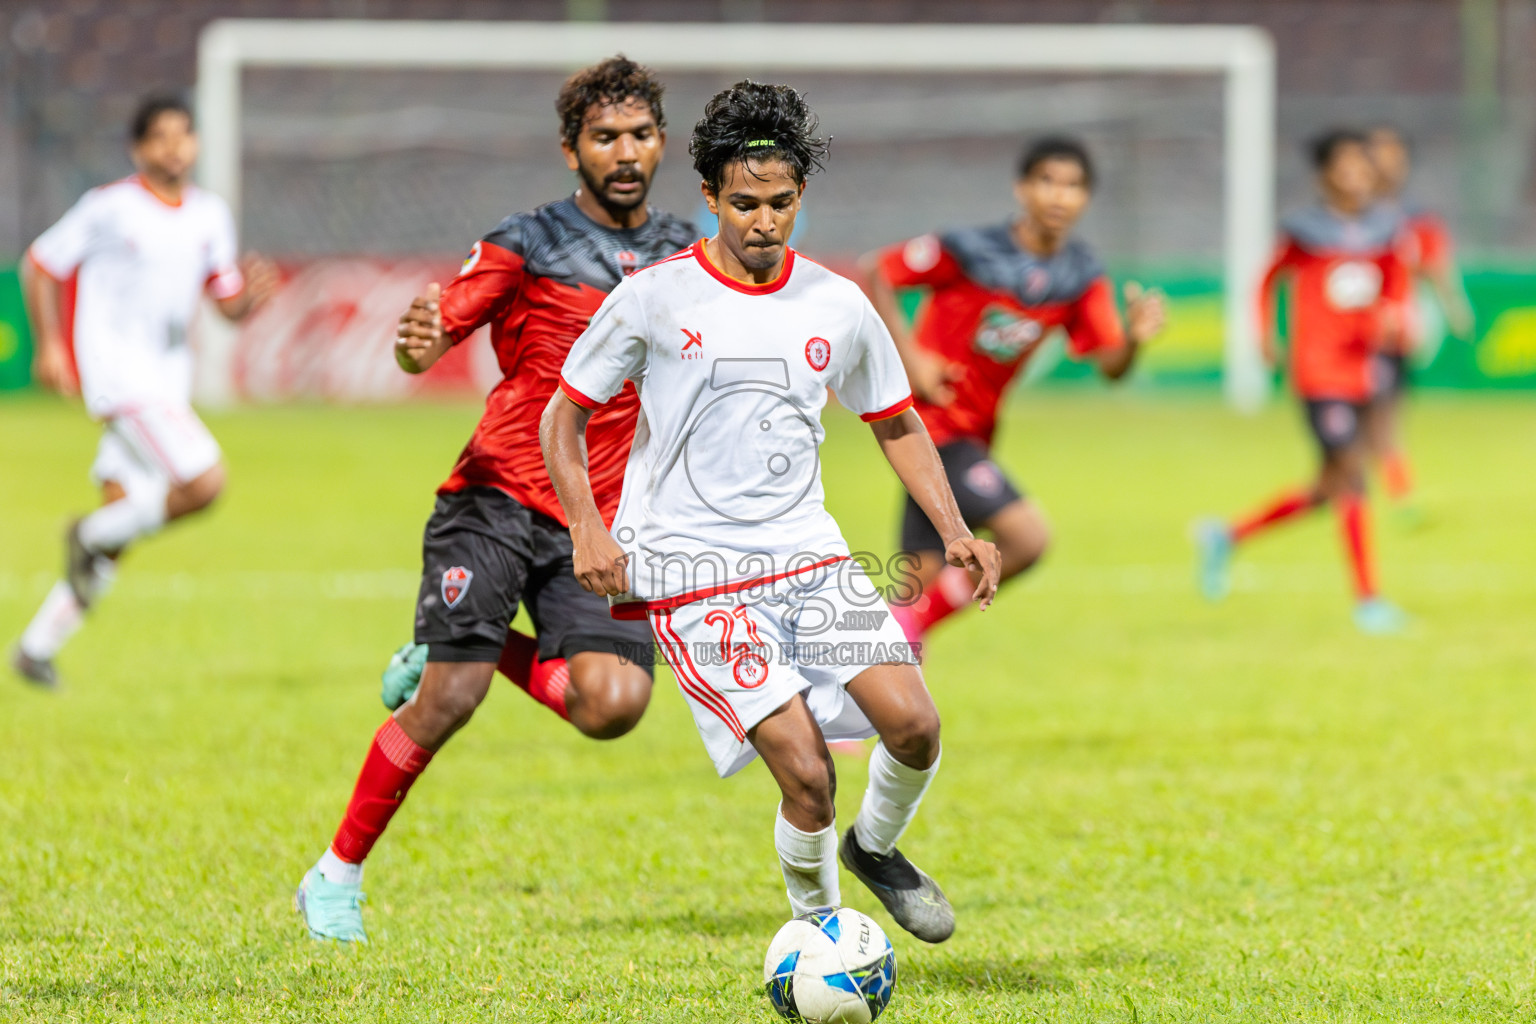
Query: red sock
(1396,475)
(1357,545)
(394,760)
(1292,503)
(544,681)
(950,591)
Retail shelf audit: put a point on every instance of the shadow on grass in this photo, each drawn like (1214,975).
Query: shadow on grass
(981,974)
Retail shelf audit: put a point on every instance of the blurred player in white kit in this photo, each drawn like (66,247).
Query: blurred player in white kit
(145,249)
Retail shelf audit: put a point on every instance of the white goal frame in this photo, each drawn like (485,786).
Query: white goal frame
(1243,55)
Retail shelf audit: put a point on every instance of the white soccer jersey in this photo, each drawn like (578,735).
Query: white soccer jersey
(723,488)
(143,264)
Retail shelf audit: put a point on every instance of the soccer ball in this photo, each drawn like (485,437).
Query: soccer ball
(830,967)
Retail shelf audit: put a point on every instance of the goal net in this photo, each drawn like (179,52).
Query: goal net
(367,156)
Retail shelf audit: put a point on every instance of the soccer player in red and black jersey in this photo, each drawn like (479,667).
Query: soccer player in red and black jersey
(498,536)
(1427,249)
(993,295)
(1348,281)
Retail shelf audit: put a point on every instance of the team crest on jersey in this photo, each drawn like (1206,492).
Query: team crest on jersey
(627,262)
(922,254)
(1354,285)
(1003,334)
(471,260)
(750,670)
(456,581)
(818,352)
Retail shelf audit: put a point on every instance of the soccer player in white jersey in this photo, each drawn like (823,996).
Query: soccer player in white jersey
(145,249)
(778,641)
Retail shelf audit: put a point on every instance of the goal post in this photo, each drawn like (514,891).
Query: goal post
(1242,55)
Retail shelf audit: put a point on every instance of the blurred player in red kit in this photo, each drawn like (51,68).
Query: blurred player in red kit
(994,294)
(1426,248)
(498,536)
(1347,281)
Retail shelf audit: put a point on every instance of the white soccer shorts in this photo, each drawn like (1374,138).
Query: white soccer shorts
(161,441)
(738,659)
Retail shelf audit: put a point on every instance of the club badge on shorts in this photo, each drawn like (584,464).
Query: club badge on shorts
(750,670)
(456,581)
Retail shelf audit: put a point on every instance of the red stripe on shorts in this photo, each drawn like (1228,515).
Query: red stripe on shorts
(692,681)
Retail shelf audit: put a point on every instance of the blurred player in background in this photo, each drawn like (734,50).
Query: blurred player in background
(993,295)
(145,250)
(732,475)
(498,536)
(1426,248)
(1347,283)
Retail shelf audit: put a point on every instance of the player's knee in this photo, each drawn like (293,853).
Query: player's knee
(453,700)
(200,492)
(608,703)
(813,788)
(1024,550)
(914,740)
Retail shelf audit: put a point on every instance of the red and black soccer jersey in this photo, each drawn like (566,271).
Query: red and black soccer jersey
(537,279)
(991,305)
(1345,274)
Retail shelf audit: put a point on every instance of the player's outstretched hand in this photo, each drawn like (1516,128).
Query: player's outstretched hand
(931,377)
(420,339)
(261,279)
(601,566)
(981,556)
(1145,311)
(51,369)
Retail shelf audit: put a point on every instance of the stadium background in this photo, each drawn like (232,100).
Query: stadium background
(362,183)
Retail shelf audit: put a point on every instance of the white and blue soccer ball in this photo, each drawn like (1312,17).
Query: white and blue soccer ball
(830,967)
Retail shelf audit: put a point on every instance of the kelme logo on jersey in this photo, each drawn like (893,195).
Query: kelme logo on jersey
(1003,334)
(456,581)
(1354,285)
(818,352)
(693,348)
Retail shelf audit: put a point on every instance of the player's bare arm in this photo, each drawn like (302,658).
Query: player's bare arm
(911,453)
(599,563)
(929,375)
(1145,315)
(261,283)
(50,361)
(420,339)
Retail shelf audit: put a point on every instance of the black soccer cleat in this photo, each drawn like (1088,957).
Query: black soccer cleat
(910,896)
(33,670)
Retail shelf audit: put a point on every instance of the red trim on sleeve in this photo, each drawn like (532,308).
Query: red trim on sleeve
(741,286)
(46,270)
(577,397)
(886,413)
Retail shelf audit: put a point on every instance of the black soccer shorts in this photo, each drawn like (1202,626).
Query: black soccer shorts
(1335,422)
(482,554)
(982,490)
(1389,376)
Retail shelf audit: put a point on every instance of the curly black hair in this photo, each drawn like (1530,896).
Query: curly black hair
(149,110)
(613,81)
(754,121)
(1324,147)
(1057,147)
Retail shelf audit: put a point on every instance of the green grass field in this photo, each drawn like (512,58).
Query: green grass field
(1150,808)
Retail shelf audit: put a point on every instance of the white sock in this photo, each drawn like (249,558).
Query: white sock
(138,514)
(54,623)
(337,871)
(809,861)
(891,800)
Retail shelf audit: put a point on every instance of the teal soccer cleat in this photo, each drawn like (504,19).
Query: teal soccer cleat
(1379,617)
(402,675)
(331,911)
(1213,542)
